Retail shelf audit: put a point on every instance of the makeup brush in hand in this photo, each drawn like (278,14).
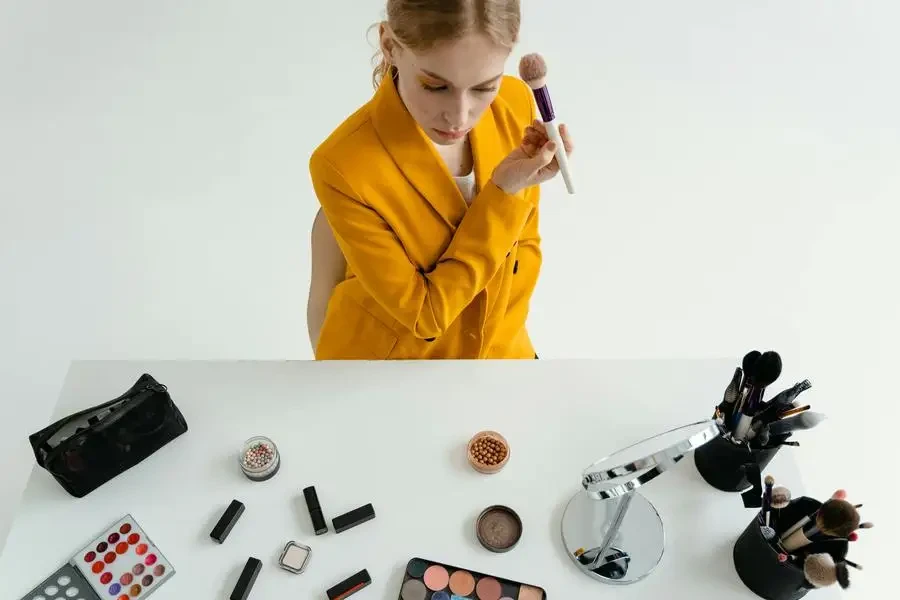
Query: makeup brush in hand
(821,571)
(533,69)
(835,518)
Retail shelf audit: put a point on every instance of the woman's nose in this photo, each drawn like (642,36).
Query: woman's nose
(457,113)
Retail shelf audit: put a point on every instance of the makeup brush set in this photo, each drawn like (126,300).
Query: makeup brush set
(794,545)
(746,418)
(753,429)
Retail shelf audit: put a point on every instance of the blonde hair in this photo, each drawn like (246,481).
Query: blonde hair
(422,24)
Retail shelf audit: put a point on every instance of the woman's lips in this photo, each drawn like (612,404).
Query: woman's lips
(451,135)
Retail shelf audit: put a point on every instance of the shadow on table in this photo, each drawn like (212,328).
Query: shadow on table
(556,531)
(230,581)
(392,585)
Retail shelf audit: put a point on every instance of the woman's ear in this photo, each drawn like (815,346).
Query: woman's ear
(387,42)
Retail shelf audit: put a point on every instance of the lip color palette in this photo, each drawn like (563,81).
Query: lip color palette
(429,580)
(121,564)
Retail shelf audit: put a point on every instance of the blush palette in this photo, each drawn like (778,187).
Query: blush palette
(429,580)
(121,564)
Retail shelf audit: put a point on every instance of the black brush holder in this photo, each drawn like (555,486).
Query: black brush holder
(756,563)
(721,463)
(756,559)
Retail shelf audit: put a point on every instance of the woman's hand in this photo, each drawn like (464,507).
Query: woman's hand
(533,162)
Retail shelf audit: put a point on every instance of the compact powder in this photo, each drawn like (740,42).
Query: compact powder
(498,529)
(526,592)
(413,590)
(462,583)
(437,578)
(488,589)
(294,557)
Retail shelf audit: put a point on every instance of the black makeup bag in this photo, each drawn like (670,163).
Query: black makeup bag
(86,449)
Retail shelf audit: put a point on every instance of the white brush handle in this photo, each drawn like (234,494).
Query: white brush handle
(561,157)
(743,428)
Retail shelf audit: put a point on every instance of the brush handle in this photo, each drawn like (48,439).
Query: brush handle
(562,158)
(795,540)
(742,428)
(796,526)
(794,424)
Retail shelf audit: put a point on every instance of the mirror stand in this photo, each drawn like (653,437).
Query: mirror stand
(612,532)
(617,540)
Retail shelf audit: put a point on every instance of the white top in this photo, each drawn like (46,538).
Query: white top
(393,434)
(466,185)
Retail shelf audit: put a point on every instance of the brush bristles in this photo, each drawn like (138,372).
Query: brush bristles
(767,369)
(781,497)
(837,518)
(734,387)
(769,480)
(819,570)
(533,69)
(843,575)
(750,361)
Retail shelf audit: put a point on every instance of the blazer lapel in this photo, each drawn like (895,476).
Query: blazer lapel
(488,151)
(487,148)
(415,155)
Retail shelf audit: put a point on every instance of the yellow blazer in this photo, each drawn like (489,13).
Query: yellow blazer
(427,275)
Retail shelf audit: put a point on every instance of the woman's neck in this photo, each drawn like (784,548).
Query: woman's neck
(458,157)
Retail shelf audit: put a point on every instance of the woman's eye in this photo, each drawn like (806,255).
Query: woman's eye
(432,88)
(486,90)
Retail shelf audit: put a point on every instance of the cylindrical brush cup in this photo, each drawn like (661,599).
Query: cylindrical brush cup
(756,559)
(756,562)
(721,462)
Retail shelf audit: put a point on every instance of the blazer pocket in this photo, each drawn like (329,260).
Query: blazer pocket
(352,333)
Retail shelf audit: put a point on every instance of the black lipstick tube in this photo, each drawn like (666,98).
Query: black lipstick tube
(315,510)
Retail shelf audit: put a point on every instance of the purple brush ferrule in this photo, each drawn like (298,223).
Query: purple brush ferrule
(542,97)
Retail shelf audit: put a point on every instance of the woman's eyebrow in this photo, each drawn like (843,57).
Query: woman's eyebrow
(487,81)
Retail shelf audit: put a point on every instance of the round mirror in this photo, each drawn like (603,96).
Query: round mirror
(611,532)
(632,467)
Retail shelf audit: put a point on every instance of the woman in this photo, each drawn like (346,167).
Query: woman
(431,193)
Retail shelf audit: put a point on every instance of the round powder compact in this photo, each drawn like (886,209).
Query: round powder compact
(488,452)
(498,528)
(259,459)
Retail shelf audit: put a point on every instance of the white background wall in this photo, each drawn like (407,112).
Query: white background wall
(738,169)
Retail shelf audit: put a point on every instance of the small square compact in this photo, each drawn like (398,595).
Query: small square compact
(295,557)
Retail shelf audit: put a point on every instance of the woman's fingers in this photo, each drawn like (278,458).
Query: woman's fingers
(566,138)
(534,136)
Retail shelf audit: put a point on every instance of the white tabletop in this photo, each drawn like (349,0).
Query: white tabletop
(392,434)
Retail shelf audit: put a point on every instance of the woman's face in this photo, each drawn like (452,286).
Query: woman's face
(448,88)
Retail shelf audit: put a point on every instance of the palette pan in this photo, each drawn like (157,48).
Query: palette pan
(430,580)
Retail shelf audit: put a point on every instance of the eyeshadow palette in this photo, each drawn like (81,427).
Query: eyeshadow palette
(429,580)
(121,564)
